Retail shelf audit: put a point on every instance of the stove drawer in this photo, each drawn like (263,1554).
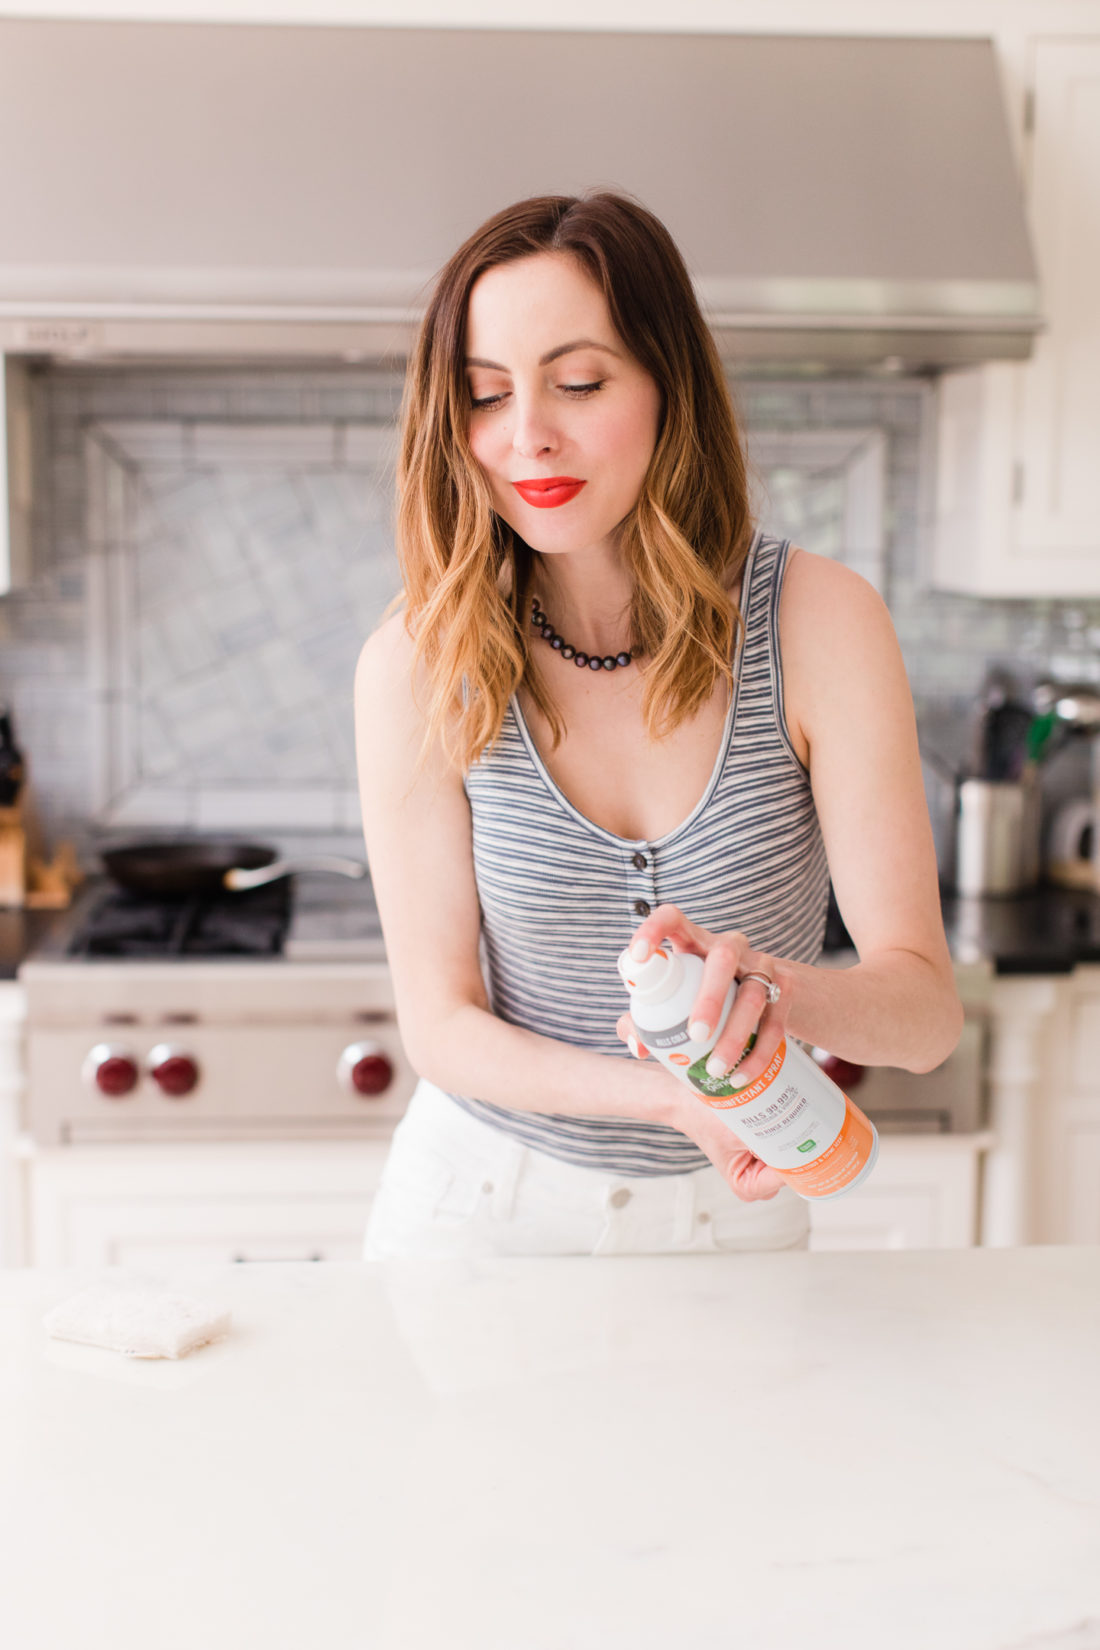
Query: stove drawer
(283,1082)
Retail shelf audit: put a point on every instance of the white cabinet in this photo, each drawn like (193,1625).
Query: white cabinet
(163,1205)
(13,1015)
(166,1205)
(922,1194)
(1065,1200)
(1041,1181)
(1017,443)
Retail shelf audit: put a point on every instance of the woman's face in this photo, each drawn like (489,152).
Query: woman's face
(556,397)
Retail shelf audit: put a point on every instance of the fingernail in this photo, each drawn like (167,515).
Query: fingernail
(716,1066)
(698,1031)
(632,1045)
(640,950)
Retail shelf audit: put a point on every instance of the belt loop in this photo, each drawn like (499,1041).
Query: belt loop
(683,1215)
(505,1178)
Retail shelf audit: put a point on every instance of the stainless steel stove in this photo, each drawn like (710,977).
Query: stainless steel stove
(261,1015)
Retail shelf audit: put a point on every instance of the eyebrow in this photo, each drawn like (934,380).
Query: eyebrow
(551,355)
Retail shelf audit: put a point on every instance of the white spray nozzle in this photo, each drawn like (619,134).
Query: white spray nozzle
(644,976)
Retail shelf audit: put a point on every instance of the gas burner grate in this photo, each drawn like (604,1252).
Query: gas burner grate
(248,924)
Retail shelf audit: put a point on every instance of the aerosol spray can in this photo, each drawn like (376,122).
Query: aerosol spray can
(792,1116)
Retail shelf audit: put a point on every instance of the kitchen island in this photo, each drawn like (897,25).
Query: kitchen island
(765,1451)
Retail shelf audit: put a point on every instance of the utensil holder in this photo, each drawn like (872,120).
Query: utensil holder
(997,836)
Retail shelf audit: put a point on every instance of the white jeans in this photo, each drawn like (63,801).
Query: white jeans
(453,1185)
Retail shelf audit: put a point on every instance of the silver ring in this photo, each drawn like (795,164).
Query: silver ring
(772,992)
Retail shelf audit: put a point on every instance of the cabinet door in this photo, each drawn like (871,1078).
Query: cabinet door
(1016,443)
(1059,410)
(160,1206)
(13,1014)
(162,1235)
(922,1194)
(1063,1138)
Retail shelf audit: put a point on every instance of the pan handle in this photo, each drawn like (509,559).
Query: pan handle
(238,878)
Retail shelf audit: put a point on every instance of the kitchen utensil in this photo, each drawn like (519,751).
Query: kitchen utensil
(200,866)
(1069,845)
(12,769)
(1045,735)
(997,836)
(1004,737)
(1075,703)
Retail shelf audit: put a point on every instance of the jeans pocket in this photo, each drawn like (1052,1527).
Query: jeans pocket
(433,1187)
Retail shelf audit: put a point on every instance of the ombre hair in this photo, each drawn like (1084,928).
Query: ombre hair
(468,574)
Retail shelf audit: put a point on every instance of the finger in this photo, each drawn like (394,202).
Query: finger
(724,958)
(745,1016)
(628,1031)
(769,1034)
(744,1173)
(666,922)
(746,1176)
(753,1180)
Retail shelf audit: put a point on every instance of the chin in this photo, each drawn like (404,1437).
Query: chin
(561,538)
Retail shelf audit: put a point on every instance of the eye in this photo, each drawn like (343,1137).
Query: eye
(485,403)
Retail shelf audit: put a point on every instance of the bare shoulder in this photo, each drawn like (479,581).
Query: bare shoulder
(386,656)
(392,695)
(389,683)
(836,638)
(817,590)
(826,608)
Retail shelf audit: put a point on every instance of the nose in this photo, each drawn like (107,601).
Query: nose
(534,433)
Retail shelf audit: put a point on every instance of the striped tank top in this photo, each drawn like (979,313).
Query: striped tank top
(560,896)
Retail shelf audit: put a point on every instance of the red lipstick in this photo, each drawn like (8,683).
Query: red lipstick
(549,491)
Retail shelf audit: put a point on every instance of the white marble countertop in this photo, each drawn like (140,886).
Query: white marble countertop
(769,1452)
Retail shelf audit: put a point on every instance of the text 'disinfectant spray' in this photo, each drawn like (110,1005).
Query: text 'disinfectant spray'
(792,1117)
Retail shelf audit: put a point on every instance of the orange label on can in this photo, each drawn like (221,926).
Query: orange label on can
(840,1162)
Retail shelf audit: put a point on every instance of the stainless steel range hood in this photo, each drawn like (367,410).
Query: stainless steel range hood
(245,192)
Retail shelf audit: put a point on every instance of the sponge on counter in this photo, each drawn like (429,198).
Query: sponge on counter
(140,1321)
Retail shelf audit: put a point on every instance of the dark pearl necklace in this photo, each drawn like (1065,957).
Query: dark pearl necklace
(610,661)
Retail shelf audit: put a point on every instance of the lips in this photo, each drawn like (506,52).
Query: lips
(547,493)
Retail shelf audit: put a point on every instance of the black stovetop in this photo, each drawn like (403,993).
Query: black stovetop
(252,923)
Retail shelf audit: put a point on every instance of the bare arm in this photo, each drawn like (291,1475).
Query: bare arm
(851,701)
(418,837)
(850,715)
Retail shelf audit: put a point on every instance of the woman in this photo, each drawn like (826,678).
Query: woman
(608,698)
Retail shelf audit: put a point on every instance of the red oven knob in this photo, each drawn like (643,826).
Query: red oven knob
(844,1073)
(111,1070)
(174,1071)
(365,1069)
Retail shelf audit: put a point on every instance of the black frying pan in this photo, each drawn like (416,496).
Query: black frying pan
(183,869)
(203,866)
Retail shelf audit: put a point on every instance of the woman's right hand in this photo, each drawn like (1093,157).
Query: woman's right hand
(745,1175)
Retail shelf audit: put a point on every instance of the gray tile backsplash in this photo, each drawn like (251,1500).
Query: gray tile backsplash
(215,544)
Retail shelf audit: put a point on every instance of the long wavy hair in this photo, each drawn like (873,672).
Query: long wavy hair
(468,576)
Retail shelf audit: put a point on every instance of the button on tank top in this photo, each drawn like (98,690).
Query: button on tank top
(560,896)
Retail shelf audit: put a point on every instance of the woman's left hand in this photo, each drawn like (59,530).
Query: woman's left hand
(726,957)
